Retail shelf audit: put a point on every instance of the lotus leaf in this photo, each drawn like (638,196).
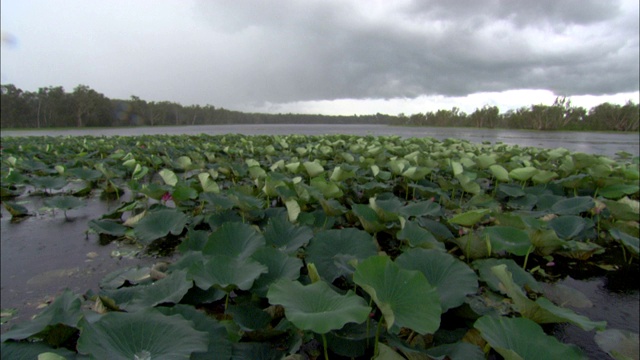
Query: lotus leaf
(469,218)
(313,168)
(452,279)
(169,177)
(64,202)
(108,227)
(573,206)
(619,190)
(49,182)
(369,219)
(157,224)
(418,236)
(520,338)
(234,240)
(499,172)
(64,310)
(219,344)
(542,310)
(519,276)
(317,307)
(279,265)
(226,273)
(569,226)
(619,344)
(523,174)
(15,209)
(170,289)
(285,236)
(147,333)
(398,292)
(334,251)
(507,238)
(632,243)
(32,350)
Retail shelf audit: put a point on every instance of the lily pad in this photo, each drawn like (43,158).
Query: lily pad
(507,238)
(317,307)
(235,240)
(620,344)
(469,218)
(279,266)
(226,273)
(285,236)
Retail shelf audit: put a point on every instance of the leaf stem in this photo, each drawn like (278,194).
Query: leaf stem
(324,346)
(526,258)
(375,345)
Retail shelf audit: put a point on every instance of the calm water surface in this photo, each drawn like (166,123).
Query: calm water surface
(589,142)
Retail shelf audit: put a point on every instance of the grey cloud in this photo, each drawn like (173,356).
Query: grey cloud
(314,50)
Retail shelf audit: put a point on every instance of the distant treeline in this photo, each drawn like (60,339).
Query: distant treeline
(85,107)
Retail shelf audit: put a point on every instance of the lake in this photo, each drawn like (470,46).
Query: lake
(602,143)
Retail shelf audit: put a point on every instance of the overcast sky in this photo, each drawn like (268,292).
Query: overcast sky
(328,56)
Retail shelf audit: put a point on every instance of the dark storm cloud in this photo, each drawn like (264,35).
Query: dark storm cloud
(294,51)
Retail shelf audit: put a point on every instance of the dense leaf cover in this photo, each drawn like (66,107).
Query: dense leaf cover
(364,244)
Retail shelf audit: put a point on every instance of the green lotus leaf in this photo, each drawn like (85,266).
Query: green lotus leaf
(398,293)
(573,206)
(546,242)
(249,317)
(208,184)
(456,351)
(157,224)
(64,202)
(621,210)
(146,334)
(368,218)
(282,234)
(293,209)
(456,167)
(169,177)
(511,190)
(219,344)
(183,193)
(469,218)
(484,161)
(32,350)
(234,240)
(226,273)
(387,206)
(15,209)
(565,295)
(421,208)
(542,310)
(334,251)
(619,190)
(416,173)
(468,185)
(507,238)
(519,276)
(313,168)
(132,275)
(523,174)
(317,307)
(452,279)
(170,289)
(619,344)
(473,246)
(183,163)
(343,172)
(49,182)
(520,338)
(417,236)
(64,310)
(499,172)
(569,226)
(328,189)
(108,227)
(279,265)
(632,243)
(332,207)
(544,176)
(85,174)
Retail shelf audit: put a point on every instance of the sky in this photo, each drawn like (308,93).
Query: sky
(333,57)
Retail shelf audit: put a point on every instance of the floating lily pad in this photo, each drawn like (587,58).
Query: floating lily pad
(160,223)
